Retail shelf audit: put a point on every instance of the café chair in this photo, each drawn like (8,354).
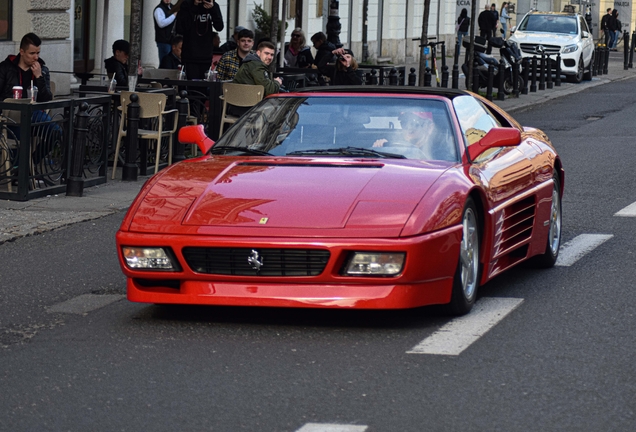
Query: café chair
(239,95)
(151,107)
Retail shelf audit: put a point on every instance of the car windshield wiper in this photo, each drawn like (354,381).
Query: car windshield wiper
(346,151)
(243,150)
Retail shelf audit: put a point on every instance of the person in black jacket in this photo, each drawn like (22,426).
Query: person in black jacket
(24,68)
(463,25)
(346,69)
(172,60)
(165,15)
(197,22)
(605,26)
(487,24)
(297,52)
(324,55)
(117,65)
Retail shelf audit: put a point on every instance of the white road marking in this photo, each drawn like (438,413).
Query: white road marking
(328,427)
(574,250)
(629,211)
(85,303)
(460,333)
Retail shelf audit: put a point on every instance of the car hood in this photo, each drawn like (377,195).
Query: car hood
(232,193)
(544,38)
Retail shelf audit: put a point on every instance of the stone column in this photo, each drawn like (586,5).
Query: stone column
(149,54)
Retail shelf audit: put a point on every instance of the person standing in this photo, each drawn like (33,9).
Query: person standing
(614,27)
(487,24)
(493,10)
(463,25)
(117,65)
(165,15)
(503,19)
(255,69)
(232,60)
(197,22)
(605,26)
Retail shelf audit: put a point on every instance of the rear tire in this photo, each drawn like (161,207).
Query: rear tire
(468,270)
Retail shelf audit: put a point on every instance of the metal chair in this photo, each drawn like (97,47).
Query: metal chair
(239,95)
(151,106)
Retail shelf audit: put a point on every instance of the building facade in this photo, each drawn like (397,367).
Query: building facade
(77,34)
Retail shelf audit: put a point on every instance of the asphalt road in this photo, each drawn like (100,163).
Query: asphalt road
(562,360)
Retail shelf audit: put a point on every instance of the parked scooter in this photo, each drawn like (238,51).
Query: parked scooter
(509,52)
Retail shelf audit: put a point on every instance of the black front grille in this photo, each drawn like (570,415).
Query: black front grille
(275,262)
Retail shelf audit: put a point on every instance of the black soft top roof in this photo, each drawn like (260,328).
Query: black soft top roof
(387,89)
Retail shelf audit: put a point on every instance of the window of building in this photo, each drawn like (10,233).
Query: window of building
(5,20)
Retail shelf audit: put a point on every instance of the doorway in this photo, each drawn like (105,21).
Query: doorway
(84,36)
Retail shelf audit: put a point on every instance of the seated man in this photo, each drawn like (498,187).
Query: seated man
(420,138)
(172,60)
(24,68)
(117,65)
(232,60)
(255,69)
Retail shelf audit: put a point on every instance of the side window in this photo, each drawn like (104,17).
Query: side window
(583,25)
(474,119)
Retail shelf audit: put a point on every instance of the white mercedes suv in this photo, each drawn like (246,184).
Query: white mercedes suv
(557,33)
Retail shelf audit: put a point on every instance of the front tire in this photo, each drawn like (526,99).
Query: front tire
(549,257)
(578,77)
(468,271)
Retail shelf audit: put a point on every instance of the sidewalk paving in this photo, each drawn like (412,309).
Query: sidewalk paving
(19,219)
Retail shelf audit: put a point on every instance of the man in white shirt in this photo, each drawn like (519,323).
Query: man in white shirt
(165,14)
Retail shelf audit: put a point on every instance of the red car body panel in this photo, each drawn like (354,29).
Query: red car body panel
(340,205)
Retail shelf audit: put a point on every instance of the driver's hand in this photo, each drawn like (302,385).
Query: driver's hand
(279,80)
(380,142)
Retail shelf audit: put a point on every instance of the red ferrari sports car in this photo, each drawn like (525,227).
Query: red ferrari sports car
(365,197)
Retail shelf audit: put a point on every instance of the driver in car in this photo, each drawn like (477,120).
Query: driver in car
(418,136)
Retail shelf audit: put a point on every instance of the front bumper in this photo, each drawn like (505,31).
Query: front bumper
(431,261)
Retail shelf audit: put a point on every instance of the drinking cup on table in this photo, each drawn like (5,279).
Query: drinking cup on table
(132,82)
(33,94)
(17,92)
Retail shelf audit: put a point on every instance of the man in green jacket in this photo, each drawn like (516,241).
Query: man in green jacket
(255,69)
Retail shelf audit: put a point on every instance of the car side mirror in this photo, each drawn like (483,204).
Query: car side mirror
(195,135)
(496,137)
(512,29)
(585,35)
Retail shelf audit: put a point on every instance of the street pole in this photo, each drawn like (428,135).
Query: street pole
(333,24)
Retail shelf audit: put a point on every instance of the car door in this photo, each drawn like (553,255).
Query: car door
(503,171)
(587,42)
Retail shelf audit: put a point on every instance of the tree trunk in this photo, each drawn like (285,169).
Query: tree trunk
(273,33)
(424,41)
(135,36)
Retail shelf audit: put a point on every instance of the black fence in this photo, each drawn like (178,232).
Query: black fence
(36,143)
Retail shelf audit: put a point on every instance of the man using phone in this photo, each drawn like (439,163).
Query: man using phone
(197,22)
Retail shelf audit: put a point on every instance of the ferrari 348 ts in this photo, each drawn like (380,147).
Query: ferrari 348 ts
(365,197)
